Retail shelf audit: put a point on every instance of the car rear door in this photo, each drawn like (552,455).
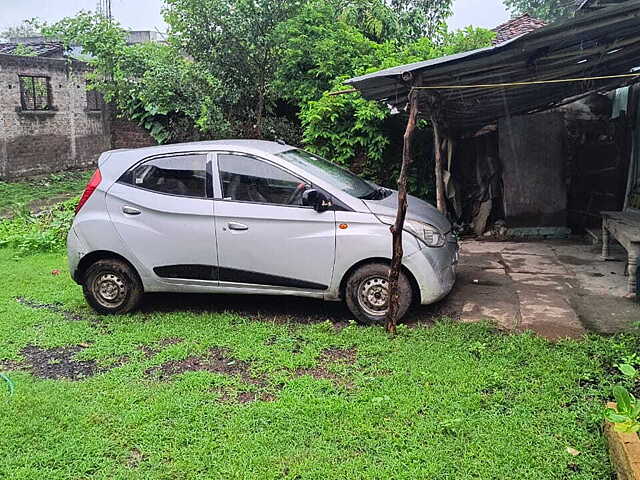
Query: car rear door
(164,215)
(266,237)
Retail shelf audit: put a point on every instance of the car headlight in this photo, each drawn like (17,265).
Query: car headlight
(427,234)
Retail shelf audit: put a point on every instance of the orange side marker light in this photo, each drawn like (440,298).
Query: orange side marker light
(343,226)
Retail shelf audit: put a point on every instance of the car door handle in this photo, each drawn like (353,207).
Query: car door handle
(127,210)
(237,226)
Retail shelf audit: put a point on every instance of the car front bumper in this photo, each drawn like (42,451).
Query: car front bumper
(434,270)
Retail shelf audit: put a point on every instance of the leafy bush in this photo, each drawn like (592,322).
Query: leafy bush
(626,415)
(362,134)
(41,232)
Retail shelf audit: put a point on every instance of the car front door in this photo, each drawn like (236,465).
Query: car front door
(266,237)
(162,211)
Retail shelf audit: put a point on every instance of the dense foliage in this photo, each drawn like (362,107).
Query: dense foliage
(242,68)
(549,10)
(237,44)
(364,135)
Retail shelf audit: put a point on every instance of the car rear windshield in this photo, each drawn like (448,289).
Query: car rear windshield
(329,172)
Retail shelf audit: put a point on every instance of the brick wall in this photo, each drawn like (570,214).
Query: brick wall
(126,134)
(65,136)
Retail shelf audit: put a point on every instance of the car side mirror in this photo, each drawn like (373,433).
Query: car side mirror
(316,199)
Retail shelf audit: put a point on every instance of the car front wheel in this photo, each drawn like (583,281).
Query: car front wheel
(112,287)
(367,294)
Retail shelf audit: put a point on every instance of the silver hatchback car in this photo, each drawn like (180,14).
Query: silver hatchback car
(253,217)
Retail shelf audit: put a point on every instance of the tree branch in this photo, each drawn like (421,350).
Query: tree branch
(397,228)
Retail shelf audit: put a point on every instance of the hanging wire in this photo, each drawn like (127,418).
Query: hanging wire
(507,84)
(533,82)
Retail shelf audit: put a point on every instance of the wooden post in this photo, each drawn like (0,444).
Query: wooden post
(397,228)
(437,145)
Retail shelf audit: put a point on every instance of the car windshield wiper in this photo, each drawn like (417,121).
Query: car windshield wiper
(377,194)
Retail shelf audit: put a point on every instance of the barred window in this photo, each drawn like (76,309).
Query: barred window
(35,92)
(95,101)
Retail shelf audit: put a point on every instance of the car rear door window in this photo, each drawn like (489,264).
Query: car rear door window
(247,179)
(182,175)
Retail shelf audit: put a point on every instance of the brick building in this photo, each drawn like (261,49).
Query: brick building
(49,121)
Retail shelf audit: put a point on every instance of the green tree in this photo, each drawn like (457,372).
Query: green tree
(403,21)
(153,84)
(372,18)
(548,10)
(235,40)
(319,44)
(362,134)
(248,44)
(421,18)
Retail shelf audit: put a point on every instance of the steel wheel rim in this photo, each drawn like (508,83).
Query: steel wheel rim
(373,295)
(109,289)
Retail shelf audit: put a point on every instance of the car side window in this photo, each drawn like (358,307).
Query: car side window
(183,175)
(247,179)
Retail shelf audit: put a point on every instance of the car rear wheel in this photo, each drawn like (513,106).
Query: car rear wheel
(367,294)
(112,287)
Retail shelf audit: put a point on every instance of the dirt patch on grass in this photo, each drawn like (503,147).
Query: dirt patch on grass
(148,351)
(339,355)
(67,314)
(329,357)
(135,458)
(52,307)
(57,363)
(8,365)
(217,360)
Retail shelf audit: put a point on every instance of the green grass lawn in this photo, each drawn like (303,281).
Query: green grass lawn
(41,189)
(192,392)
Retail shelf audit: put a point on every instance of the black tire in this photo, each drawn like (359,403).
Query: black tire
(362,290)
(112,287)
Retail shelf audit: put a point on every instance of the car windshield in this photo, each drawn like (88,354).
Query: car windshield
(331,173)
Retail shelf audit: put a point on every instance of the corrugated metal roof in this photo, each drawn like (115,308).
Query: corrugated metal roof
(586,5)
(594,44)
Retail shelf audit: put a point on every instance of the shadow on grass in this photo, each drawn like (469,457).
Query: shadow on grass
(277,309)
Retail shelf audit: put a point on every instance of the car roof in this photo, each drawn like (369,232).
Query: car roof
(241,145)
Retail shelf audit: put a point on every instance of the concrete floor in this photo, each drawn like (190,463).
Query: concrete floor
(555,288)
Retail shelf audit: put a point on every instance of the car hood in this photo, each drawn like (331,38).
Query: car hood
(417,210)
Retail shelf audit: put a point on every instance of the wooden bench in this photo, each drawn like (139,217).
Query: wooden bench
(625,228)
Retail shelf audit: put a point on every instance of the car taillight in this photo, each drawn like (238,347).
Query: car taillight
(96,178)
